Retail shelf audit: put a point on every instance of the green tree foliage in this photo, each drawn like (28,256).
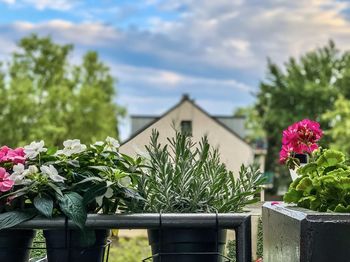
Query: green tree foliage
(339,120)
(46,97)
(253,124)
(304,88)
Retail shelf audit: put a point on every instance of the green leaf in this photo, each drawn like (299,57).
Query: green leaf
(51,151)
(55,188)
(12,218)
(44,205)
(292,196)
(341,209)
(94,191)
(307,169)
(330,158)
(305,185)
(72,206)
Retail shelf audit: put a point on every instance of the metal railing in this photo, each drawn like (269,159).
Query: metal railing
(240,223)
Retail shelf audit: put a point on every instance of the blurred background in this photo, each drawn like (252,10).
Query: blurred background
(91,69)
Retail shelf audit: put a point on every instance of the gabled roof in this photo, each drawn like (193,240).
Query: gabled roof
(184,99)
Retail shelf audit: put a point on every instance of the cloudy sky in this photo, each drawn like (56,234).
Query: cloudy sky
(215,50)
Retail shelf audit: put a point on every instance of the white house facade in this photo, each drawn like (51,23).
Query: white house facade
(189,117)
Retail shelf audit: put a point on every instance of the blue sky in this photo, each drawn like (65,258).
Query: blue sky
(159,49)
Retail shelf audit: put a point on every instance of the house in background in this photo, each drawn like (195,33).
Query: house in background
(225,132)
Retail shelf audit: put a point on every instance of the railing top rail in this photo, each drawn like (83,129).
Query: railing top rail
(143,221)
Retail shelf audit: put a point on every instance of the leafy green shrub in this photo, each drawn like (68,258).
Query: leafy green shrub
(184,177)
(231,250)
(260,240)
(39,243)
(323,184)
(129,250)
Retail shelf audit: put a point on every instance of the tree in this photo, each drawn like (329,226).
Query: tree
(339,120)
(306,88)
(46,97)
(253,124)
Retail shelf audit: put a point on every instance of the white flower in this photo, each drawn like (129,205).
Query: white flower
(71,147)
(32,170)
(112,144)
(98,143)
(34,148)
(125,181)
(52,173)
(108,194)
(19,173)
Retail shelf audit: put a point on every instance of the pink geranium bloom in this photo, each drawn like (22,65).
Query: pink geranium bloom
(6,183)
(300,138)
(285,153)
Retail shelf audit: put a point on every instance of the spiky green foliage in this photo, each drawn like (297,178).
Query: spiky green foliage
(185,177)
(323,184)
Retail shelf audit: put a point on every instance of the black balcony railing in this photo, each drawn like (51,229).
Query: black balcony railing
(240,223)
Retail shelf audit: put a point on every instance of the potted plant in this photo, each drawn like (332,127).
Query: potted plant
(73,182)
(14,244)
(311,227)
(185,177)
(299,140)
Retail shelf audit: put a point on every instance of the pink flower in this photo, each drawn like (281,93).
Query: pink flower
(3,152)
(5,182)
(16,156)
(300,138)
(285,153)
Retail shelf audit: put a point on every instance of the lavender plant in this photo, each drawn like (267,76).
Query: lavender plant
(185,177)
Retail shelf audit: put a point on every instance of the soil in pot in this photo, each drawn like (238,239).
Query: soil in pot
(15,244)
(63,246)
(181,242)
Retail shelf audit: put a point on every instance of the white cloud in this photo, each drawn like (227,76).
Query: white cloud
(51,4)
(62,5)
(87,33)
(9,2)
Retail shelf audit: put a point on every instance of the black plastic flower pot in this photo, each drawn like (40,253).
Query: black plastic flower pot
(65,245)
(15,244)
(187,245)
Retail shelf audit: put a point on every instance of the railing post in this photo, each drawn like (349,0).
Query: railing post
(244,241)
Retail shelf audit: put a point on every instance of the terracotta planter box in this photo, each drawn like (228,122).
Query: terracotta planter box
(293,234)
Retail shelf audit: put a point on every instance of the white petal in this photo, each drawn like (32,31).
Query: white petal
(53,170)
(45,169)
(32,169)
(19,168)
(57,178)
(125,181)
(99,200)
(109,193)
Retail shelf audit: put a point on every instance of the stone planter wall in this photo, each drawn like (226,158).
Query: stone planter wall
(293,234)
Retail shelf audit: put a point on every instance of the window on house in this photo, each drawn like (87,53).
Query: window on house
(186,127)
